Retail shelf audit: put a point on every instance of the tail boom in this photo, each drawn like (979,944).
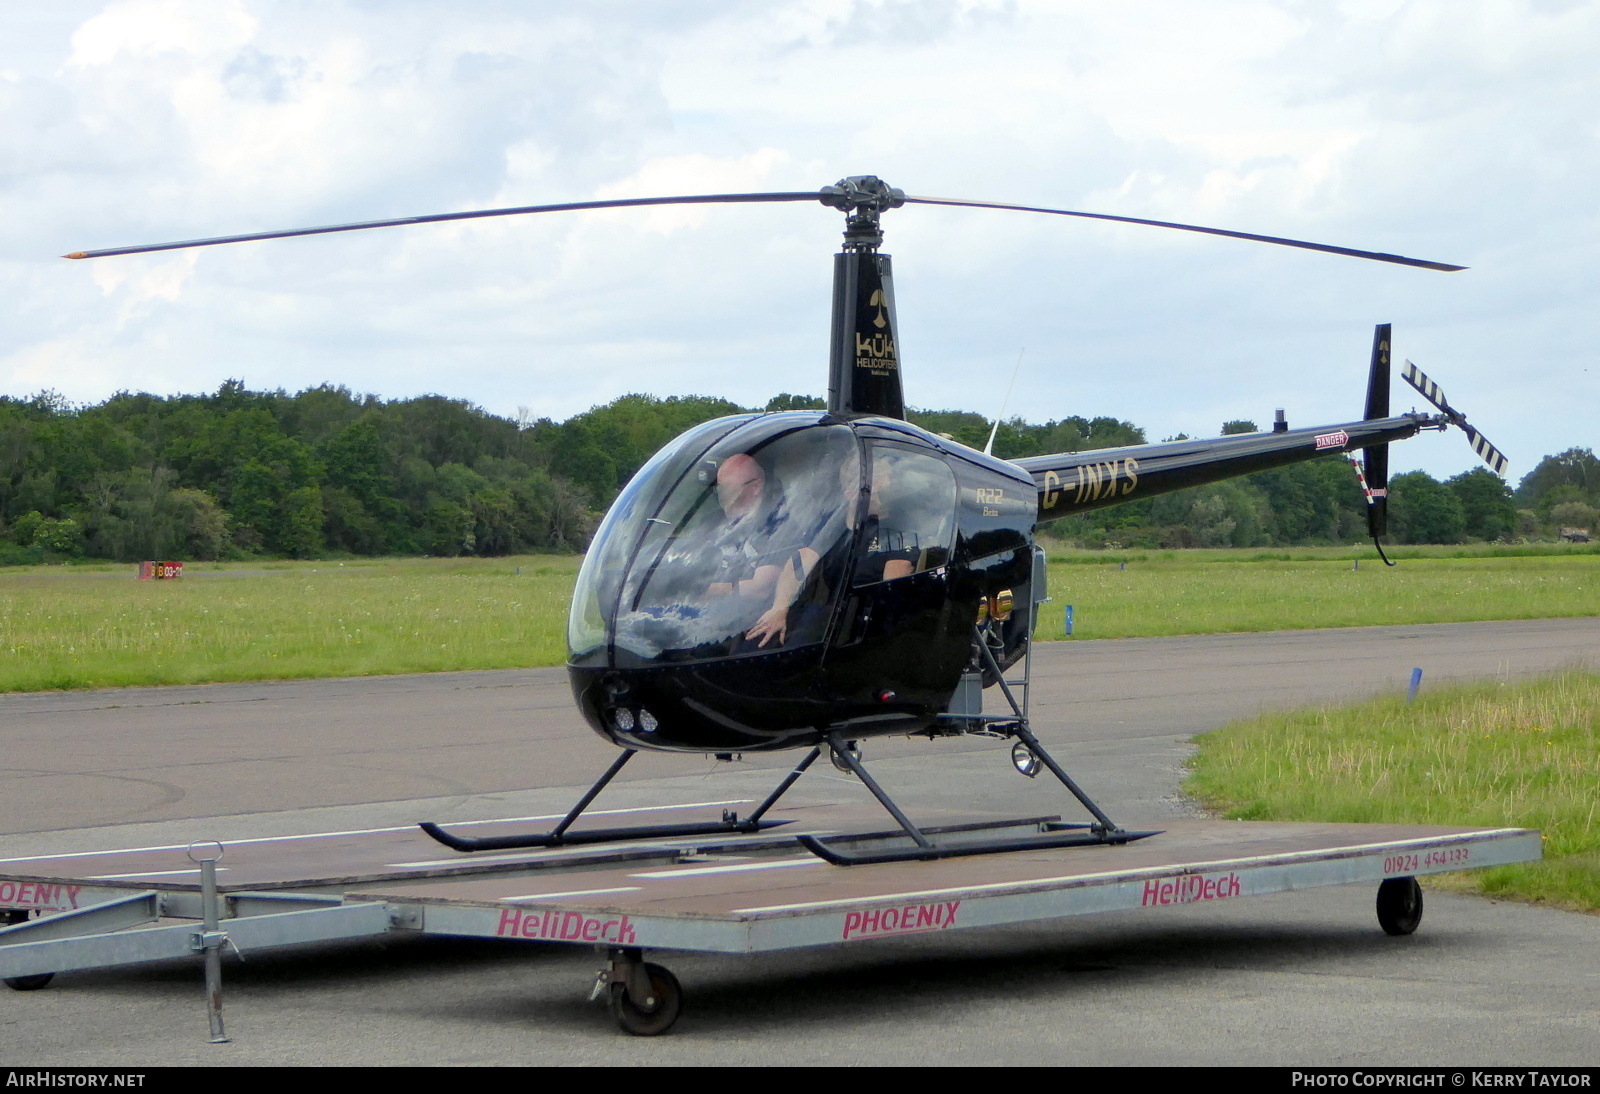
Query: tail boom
(1075,482)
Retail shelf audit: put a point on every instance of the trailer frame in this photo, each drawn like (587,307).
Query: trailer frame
(745,894)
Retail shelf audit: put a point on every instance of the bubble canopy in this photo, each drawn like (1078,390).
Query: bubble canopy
(733,541)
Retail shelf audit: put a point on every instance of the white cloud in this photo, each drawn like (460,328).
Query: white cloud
(1457,130)
(154,28)
(138,283)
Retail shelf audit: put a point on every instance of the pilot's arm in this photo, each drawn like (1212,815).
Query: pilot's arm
(774,622)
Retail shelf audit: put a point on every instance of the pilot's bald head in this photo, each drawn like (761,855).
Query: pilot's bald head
(739,484)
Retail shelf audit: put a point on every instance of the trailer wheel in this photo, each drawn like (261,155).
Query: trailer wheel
(25,983)
(650,1017)
(1399,905)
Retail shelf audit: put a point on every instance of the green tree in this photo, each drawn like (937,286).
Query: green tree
(25,527)
(1314,502)
(786,401)
(196,523)
(1572,514)
(1221,514)
(1424,510)
(364,512)
(602,448)
(299,528)
(61,537)
(140,513)
(1577,469)
(1486,504)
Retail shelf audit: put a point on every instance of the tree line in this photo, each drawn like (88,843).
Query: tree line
(240,474)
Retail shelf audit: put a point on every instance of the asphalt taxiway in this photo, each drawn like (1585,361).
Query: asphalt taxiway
(1292,978)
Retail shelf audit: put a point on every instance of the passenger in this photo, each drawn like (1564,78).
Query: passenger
(887,552)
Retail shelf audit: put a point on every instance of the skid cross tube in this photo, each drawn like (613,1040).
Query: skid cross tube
(560,837)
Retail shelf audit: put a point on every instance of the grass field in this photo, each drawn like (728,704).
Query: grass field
(100,627)
(1522,755)
(1208,592)
(96,626)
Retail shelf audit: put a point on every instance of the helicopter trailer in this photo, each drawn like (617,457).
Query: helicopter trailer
(741,894)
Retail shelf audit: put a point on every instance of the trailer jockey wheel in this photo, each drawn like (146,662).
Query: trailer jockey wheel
(656,1013)
(1399,905)
(25,983)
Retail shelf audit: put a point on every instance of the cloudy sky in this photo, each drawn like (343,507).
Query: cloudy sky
(1465,131)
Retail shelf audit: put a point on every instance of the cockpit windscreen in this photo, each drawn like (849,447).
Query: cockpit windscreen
(742,553)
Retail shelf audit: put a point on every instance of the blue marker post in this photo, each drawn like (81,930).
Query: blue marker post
(1069,620)
(1416,682)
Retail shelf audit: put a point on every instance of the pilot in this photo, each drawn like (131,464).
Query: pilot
(752,519)
(715,577)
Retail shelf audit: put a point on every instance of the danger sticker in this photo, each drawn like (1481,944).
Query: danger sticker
(1332,440)
(908,919)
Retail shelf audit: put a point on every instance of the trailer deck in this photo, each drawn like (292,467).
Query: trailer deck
(734,894)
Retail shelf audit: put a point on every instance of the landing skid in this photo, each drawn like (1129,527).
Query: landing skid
(892,847)
(879,847)
(953,849)
(1103,831)
(559,836)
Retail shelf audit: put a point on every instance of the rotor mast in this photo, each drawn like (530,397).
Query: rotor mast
(864,354)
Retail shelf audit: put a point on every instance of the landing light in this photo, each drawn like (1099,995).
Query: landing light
(623,717)
(1025,760)
(852,747)
(647,722)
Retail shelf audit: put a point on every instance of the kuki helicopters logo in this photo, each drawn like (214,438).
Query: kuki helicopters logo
(876,351)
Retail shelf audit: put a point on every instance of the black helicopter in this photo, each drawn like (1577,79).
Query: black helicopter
(809,579)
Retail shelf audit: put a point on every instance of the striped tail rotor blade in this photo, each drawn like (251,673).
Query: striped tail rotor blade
(1430,390)
(1487,452)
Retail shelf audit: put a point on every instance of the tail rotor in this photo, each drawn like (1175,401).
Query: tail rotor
(1372,471)
(1487,452)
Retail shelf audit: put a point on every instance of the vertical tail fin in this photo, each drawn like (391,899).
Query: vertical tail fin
(1376,458)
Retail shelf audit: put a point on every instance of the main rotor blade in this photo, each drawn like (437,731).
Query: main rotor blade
(570,206)
(1376,256)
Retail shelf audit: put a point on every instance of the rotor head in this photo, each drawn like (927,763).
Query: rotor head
(863,198)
